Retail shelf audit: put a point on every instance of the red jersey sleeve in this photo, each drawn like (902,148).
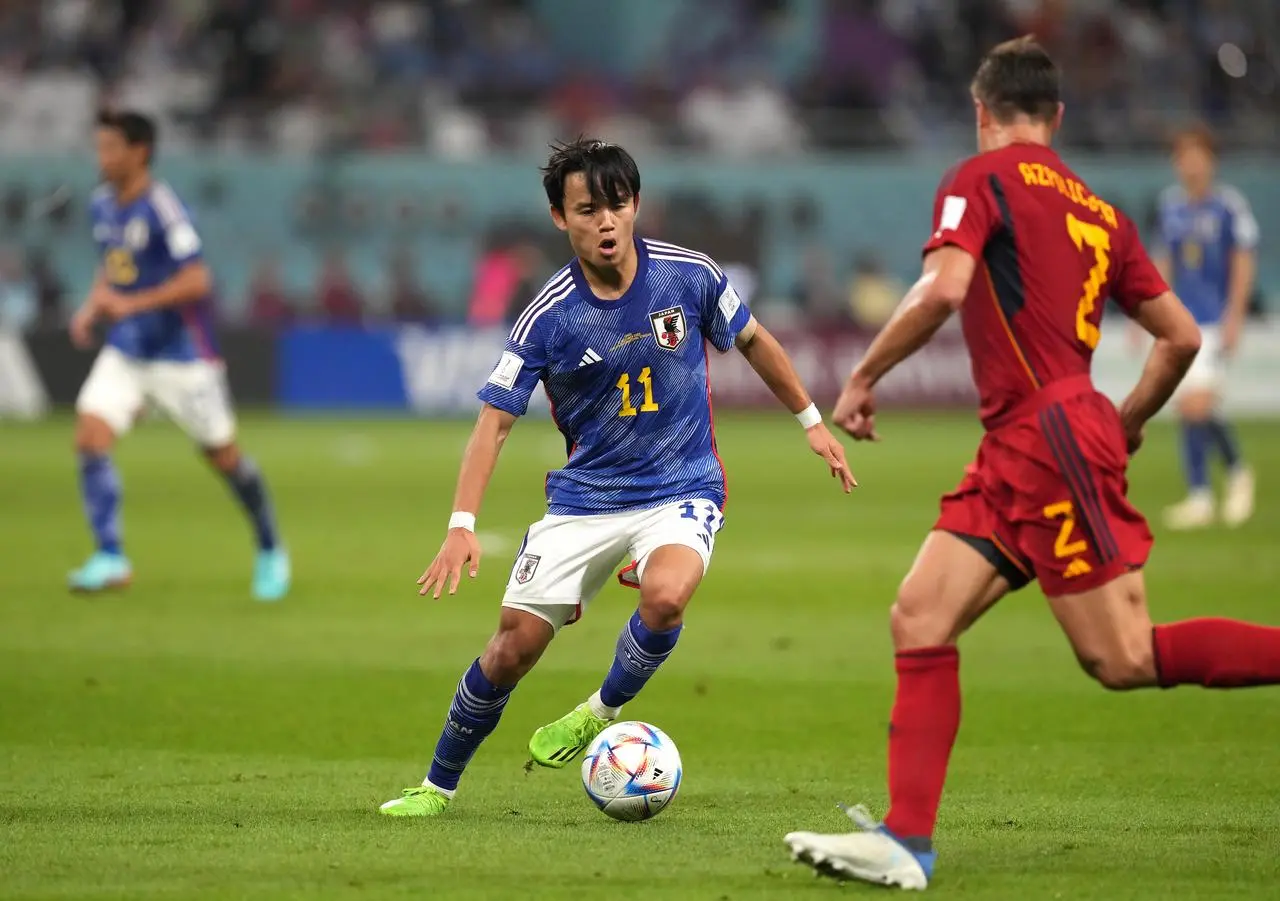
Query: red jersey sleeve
(1137,278)
(964,210)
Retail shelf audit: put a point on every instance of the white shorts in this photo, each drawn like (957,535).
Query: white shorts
(193,394)
(1209,369)
(564,561)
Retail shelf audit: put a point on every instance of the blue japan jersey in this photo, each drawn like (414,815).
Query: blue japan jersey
(627,380)
(1200,238)
(143,244)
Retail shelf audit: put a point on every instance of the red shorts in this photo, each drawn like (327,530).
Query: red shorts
(1047,491)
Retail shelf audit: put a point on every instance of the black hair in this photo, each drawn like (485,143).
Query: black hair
(136,128)
(612,175)
(1018,77)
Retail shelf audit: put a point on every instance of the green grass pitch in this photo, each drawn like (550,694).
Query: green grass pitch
(179,741)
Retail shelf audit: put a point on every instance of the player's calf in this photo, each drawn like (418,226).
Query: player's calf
(100,491)
(272,570)
(671,574)
(476,708)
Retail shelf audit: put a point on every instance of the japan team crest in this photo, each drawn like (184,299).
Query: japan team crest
(526,566)
(668,327)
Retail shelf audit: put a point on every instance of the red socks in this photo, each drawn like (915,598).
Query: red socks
(922,731)
(1217,653)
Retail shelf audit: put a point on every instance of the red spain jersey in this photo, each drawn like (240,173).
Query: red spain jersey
(1049,252)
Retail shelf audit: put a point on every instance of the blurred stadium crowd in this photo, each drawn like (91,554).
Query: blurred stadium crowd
(776,80)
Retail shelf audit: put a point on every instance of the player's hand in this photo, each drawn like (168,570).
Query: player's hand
(111,305)
(460,548)
(1230,338)
(825,445)
(81,327)
(855,411)
(1133,437)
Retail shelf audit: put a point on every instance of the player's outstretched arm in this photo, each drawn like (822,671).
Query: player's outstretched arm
(1240,282)
(83,319)
(1177,343)
(771,362)
(938,293)
(460,544)
(191,283)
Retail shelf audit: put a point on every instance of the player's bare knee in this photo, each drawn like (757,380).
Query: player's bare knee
(93,435)
(1123,669)
(508,658)
(515,647)
(1196,406)
(225,458)
(663,604)
(918,621)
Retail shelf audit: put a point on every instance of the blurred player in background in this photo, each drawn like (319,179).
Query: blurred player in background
(155,289)
(1208,238)
(618,338)
(1028,255)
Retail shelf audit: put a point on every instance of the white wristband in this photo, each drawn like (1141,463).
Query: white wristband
(463,521)
(809,417)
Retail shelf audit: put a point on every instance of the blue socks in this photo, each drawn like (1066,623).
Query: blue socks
(1224,439)
(1195,455)
(246,483)
(639,654)
(475,711)
(100,491)
(1199,439)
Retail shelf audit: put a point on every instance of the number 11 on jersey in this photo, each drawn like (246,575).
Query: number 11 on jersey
(645,379)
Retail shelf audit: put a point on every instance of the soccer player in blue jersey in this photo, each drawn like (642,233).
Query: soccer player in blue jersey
(1208,239)
(618,339)
(154,288)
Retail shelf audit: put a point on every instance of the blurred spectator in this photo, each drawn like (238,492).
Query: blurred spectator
(49,289)
(873,293)
(744,78)
(269,306)
(404,297)
(18,304)
(340,302)
(502,278)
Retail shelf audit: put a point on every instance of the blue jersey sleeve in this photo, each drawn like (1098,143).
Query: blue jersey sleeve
(522,365)
(1241,226)
(181,240)
(724,314)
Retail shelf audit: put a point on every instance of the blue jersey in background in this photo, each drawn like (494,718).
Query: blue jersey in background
(1200,238)
(143,244)
(627,380)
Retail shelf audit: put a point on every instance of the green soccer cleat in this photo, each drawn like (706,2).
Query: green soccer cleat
(419,801)
(557,744)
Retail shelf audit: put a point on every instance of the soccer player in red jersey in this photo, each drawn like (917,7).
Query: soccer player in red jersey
(1028,255)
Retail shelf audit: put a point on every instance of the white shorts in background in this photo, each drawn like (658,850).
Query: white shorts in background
(1209,369)
(565,560)
(193,394)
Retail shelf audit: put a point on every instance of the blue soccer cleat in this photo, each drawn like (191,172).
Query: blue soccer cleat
(101,572)
(271,575)
(870,854)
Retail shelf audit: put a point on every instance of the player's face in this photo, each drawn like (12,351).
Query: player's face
(117,160)
(1194,165)
(600,234)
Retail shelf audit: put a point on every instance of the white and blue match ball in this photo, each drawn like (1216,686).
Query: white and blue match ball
(632,771)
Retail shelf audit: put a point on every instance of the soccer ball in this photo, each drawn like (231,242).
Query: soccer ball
(632,771)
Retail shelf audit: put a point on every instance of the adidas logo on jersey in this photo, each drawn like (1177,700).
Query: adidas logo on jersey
(588,358)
